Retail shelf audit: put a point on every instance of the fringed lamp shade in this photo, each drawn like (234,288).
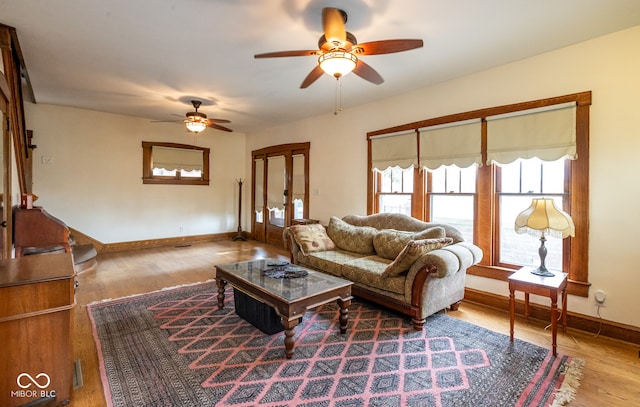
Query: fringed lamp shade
(541,219)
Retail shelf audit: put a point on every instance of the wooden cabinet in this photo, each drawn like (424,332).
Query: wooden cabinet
(37,301)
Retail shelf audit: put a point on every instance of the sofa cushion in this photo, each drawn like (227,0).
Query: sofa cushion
(388,243)
(411,252)
(311,238)
(357,239)
(369,271)
(329,261)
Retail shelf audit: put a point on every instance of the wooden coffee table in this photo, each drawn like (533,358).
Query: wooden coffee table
(289,297)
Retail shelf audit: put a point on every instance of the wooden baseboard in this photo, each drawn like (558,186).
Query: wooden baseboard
(81,238)
(582,322)
(169,241)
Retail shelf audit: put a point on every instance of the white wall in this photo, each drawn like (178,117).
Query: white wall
(608,66)
(94,181)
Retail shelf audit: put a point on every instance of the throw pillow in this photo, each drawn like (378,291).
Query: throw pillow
(388,243)
(411,252)
(311,238)
(356,239)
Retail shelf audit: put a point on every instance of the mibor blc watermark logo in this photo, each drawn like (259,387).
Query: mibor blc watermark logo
(33,386)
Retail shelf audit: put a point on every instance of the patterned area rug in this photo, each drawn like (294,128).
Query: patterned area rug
(175,348)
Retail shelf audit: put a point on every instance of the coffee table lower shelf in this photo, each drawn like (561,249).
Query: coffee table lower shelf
(290,304)
(257,313)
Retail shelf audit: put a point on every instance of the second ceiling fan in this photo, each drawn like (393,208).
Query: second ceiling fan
(339,51)
(196,121)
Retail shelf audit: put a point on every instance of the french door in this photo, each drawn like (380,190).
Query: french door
(280,190)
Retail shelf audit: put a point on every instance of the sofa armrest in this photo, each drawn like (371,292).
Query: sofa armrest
(291,244)
(449,260)
(439,263)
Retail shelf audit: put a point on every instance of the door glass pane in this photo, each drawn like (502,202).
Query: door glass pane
(258,184)
(275,190)
(298,187)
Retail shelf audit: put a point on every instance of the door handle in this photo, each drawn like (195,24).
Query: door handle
(3,223)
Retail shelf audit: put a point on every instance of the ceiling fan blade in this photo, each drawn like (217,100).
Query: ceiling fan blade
(219,121)
(279,54)
(312,77)
(386,47)
(333,26)
(166,121)
(366,72)
(216,126)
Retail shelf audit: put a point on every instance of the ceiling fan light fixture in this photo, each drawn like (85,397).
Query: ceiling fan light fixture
(337,63)
(195,124)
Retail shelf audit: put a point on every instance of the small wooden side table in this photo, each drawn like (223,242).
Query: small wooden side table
(523,280)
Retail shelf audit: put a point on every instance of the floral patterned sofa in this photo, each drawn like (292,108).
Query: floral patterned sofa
(413,267)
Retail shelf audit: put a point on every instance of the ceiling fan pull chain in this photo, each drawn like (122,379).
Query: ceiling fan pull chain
(337,103)
(335,99)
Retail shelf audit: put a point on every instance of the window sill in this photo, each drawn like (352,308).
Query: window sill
(182,181)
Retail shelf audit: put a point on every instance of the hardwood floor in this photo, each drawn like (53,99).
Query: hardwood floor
(611,375)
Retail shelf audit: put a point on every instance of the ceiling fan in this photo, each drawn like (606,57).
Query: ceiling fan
(196,122)
(339,51)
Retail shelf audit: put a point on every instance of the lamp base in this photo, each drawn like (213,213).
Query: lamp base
(543,272)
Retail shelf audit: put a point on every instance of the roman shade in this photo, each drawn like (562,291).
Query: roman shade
(394,151)
(547,134)
(298,177)
(456,143)
(177,158)
(259,184)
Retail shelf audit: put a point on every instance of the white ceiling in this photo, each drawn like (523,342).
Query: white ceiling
(148,58)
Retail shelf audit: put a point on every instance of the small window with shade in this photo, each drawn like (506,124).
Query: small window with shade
(173,163)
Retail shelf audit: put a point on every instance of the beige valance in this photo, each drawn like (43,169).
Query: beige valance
(171,158)
(547,134)
(394,151)
(452,144)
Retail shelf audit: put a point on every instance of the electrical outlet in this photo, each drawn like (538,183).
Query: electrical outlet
(600,297)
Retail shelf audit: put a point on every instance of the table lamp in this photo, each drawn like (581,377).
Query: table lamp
(541,219)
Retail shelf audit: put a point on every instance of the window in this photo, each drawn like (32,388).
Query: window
(172,163)
(451,194)
(395,190)
(478,170)
(520,182)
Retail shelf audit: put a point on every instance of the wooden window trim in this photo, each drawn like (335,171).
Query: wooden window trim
(147,165)
(485,235)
